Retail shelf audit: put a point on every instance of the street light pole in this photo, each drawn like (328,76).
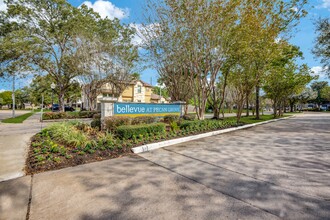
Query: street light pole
(53,87)
(13,97)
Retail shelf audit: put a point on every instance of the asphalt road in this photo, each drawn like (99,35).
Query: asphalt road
(274,171)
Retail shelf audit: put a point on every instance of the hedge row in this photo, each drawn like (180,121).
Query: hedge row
(111,123)
(206,125)
(68,115)
(128,131)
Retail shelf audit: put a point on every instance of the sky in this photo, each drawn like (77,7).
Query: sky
(131,11)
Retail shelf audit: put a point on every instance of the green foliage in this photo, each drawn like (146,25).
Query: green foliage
(111,123)
(205,125)
(68,115)
(67,134)
(189,116)
(128,131)
(322,44)
(174,126)
(160,91)
(171,118)
(87,114)
(96,123)
(325,93)
(5,98)
(143,120)
(18,119)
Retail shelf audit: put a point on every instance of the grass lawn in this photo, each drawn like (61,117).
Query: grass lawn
(39,110)
(251,119)
(18,119)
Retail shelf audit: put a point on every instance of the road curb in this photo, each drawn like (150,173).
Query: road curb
(154,146)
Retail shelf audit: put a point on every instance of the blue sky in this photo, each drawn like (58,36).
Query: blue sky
(131,11)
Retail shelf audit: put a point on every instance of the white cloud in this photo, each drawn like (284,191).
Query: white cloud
(318,71)
(3,6)
(325,4)
(107,9)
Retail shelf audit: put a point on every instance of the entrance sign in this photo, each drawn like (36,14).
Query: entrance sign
(141,109)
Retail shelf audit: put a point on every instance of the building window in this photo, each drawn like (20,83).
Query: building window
(139,100)
(139,89)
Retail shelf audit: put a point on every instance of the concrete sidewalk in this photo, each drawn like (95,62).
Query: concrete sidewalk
(274,171)
(14,141)
(124,188)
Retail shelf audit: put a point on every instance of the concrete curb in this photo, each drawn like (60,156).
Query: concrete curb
(154,146)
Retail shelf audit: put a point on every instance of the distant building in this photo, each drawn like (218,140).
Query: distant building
(136,91)
(158,99)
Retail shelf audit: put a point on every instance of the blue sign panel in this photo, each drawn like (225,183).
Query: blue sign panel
(139,109)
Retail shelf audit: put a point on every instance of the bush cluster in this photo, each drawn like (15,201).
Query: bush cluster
(128,131)
(206,125)
(68,115)
(111,123)
(143,120)
(171,118)
(190,116)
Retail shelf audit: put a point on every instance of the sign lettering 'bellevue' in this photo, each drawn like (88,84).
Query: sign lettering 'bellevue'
(137,109)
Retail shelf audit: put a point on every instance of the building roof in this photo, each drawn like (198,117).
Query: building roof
(155,97)
(144,83)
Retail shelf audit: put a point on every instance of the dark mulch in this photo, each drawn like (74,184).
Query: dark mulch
(33,166)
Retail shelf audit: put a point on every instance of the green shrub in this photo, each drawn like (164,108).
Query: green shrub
(87,114)
(171,118)
(68,115)
(174,126)
(96,123)
(205,125)
(111,123)
(143,120)
(128,131)
(190,116)
(97,116)
(54,115)
(67,134)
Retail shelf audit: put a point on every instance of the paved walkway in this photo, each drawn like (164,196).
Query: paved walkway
(14,140)
(8,113)
(274,171)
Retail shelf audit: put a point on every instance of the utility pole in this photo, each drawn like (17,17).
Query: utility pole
(13,97)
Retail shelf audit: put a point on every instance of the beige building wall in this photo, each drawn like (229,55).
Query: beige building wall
(133,93)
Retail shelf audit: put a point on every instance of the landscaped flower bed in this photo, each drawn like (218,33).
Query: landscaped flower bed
(72,143)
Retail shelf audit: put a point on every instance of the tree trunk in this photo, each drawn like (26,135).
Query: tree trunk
(186,109)
(61,101)
(257,101)
(247,105)
(216,113)
(291,106)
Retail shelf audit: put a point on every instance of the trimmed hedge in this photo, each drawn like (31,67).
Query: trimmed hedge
(190,116)
(68,115)
(143,120)
(171,118)
(111,123)
(206,125)
(128,131)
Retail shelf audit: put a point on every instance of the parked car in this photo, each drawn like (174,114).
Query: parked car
(69,109)
(324,107)
(55,108)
